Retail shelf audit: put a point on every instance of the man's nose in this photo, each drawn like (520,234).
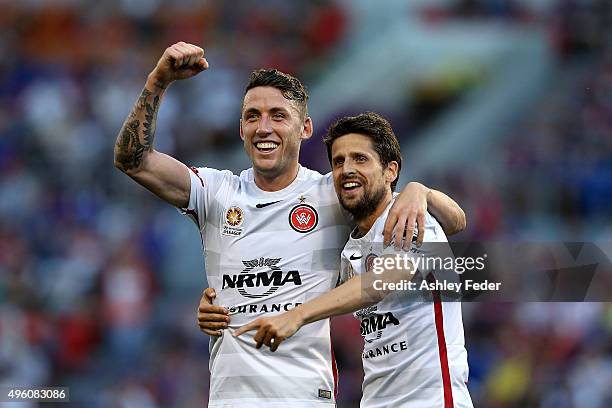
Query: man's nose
(347,167)
(264,127)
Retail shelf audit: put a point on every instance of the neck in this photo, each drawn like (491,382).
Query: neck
(276,182)
(366,223)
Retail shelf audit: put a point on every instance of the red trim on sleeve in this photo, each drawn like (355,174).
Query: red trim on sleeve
(195,171)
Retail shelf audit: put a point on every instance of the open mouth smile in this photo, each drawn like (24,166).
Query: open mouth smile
(351,185)
(266,147)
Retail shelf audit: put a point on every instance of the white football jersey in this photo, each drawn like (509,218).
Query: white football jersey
(414,354)
(265,253)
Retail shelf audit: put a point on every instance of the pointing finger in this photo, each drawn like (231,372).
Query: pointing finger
(247,327)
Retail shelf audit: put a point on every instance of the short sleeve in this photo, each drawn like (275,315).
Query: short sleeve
(205,184)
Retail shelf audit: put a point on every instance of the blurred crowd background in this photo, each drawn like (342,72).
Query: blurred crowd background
(506,105)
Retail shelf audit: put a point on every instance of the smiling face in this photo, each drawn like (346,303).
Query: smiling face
(272,128)
(360,179)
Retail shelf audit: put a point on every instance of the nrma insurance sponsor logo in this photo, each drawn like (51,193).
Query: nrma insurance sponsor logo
(373,325)
(260,278)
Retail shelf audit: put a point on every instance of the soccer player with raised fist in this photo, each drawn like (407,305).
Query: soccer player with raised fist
(272,235)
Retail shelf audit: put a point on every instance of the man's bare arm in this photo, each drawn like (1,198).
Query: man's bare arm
(357,293)
(410,208)
(448,213)
(163,175)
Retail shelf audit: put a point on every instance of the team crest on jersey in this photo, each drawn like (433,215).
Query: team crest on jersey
(369,261)
(234,216)
(303,217)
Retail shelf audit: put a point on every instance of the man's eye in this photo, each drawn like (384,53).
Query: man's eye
(278,116)
(338,162)
(361,158)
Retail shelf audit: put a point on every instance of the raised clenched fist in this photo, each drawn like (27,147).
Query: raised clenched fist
(179,61)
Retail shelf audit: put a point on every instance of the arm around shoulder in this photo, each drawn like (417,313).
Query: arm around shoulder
(448,213)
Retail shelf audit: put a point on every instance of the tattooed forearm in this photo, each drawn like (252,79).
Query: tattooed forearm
(134,140)
(128,150)
(150,123)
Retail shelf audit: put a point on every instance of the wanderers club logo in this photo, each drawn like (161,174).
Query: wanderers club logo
(369,261)
(303,217)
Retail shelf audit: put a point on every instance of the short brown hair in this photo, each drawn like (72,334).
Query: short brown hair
(373,126)
(291,87)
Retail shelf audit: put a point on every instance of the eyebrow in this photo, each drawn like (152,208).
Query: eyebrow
(352,154)
(250,110)
(272,110)
(337,156)
(279,109)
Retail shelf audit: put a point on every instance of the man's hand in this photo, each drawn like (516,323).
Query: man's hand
(272,331)
(211,319)
(179,61)
(409,208)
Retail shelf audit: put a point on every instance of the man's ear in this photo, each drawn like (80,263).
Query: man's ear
(307,128)
(391,172)
(241,134)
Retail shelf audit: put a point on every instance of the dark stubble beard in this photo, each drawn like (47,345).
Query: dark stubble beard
(366,205)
